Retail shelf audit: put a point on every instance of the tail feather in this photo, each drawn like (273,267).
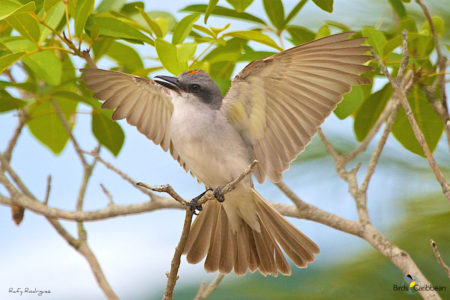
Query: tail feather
(230,239)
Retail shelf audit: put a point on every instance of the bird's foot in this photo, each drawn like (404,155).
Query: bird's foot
(219,194)
(194,205)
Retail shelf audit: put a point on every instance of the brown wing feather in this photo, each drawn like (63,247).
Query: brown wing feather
(142,102)
(277,103)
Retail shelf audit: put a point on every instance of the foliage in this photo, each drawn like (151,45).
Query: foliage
(31,38)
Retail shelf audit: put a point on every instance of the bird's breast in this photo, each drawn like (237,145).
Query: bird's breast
(210,147)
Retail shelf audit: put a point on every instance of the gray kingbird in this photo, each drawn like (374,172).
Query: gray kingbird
(270,113)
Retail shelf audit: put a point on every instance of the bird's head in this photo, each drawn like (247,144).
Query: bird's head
(196,83)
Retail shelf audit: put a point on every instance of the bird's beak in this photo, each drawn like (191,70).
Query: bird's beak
(169,82)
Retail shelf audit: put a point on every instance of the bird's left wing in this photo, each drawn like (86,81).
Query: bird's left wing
(277,103)
(144,103)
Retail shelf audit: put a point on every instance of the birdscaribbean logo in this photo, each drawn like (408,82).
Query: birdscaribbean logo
(412,285)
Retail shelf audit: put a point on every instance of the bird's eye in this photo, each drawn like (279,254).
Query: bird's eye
(195,87)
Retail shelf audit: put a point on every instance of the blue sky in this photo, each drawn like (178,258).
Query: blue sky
(135,251)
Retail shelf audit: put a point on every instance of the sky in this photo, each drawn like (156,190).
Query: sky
(135,251)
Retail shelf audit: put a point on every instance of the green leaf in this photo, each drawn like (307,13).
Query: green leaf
(53,19)
(370,110)
(125,56)
(224,12)
(10,8)
(9,59)
(205,30)
(132,8)
(8,102)
(46,125)
(164,19)
(240,5)
(110,5)
(256,36)
(254,55)
(351,102)
(109,25)
(107,132)
(185,52)
(399,8)
(154,27)
(83,9)
(323,32)
(326,5)
(429,123)
(275,11)
(26,25)
(338,25)
(183,28)
(439,26)
(46,65)
(211,5)
(168,55)
(300,35)
(295,11)
(376,39)
(49,4)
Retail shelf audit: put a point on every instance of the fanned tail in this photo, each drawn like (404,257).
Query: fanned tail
(246,233)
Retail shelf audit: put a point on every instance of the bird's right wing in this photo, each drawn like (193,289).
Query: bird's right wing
(141,101)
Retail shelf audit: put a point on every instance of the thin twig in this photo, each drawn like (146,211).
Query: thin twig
(373,162)
(108,194)
(205,292)
(417,132)
(47,192)
(175,265)
(69,132)
(120,173)
(442,60)
(13,141)
(167,188)
(439,258)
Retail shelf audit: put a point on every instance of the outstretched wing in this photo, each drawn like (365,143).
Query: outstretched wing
(144,103)
(277,103)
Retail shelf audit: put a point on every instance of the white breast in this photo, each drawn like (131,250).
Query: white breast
(211,148)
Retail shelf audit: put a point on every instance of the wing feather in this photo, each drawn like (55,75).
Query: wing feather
(277,103)
(142,102)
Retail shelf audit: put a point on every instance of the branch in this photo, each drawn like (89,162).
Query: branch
(417,132)
(204,293)
(175,265)
(439,258)
(69,132)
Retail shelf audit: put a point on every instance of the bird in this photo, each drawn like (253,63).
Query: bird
(270,113)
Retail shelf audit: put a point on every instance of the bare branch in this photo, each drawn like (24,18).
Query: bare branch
(377,152)
(173,275)
(439,258)
(167,188)
(120,173)
(49,186)
(13,141)
(69,132)
(417,132)
(108,194)
(442,60)
(303,210)
(205,292)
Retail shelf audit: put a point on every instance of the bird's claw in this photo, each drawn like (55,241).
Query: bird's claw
(194,205)
(218,194)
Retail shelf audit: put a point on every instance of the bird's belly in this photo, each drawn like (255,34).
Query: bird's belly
(210,147)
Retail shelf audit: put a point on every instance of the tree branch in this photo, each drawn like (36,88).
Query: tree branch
(173,275)
(439,258)
(417,132)
(205,292)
